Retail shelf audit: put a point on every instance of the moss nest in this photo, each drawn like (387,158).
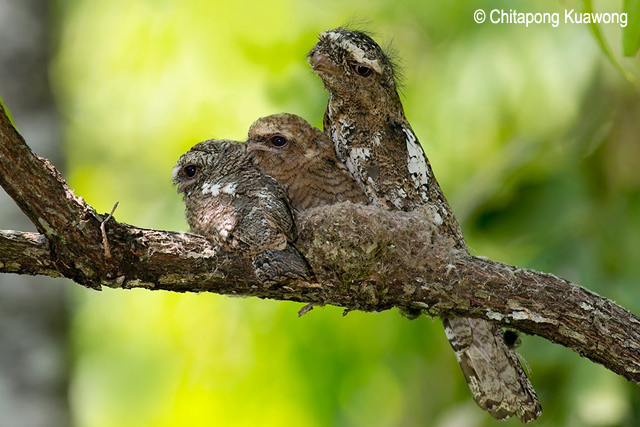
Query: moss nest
(356,243)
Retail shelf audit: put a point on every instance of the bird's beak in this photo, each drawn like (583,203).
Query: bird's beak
(256,146)
(175,174)
(320,61)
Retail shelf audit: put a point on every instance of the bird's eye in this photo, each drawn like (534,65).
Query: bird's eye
(278,141)
(190,170)
(362,70)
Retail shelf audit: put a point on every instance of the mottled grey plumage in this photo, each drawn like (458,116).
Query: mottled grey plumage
(365,120)
(238,208)
(302,159)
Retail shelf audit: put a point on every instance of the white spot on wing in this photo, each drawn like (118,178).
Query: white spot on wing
(361,152)
(376,139)
(230,188)
(357,156)
(209,188)
(398,197)
(417,164)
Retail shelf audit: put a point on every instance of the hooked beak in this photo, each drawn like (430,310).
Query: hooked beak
(256,146)
(320,61)
(174,174)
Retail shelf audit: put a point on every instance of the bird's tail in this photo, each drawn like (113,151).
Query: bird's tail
(497,380)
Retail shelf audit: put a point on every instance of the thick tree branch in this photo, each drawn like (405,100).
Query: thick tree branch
(70,225)
(26,253)
(364,258)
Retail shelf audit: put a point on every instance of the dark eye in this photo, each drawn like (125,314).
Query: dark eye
(190,171)
(278,141)
(362,70)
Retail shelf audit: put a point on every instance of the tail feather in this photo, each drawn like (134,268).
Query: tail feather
(497,381)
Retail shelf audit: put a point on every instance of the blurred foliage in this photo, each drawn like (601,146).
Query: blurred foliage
(532,133)
(597,33)
(631,34)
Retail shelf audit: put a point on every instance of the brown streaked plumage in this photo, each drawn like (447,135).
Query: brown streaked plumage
(366,122)
(302,159)
(238,208)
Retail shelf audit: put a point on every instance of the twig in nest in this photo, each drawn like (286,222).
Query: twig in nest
(105,242)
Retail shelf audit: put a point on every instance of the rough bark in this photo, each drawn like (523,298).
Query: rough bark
(364,258)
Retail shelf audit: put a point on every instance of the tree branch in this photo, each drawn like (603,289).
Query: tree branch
(26,253)
(364,258)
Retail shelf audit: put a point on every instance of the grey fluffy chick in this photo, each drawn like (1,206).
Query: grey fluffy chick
(238,208)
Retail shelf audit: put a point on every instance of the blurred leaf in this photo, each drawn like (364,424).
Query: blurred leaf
(631,33)
(595,29)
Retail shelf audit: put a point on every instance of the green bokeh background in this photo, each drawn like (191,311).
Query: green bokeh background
(532,132)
